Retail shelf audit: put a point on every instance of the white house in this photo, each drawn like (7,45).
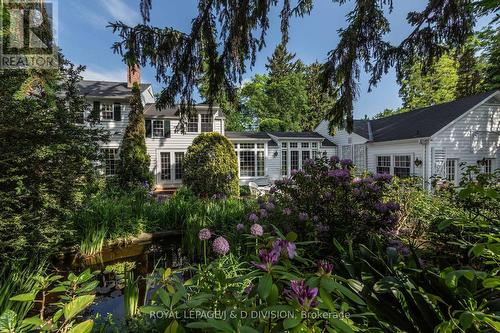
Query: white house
(262,157)
(434,141)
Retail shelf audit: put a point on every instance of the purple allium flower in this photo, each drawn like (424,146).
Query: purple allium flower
(272,190)
(240,227)
(287,211)
(294,172)
(346,163)
(284,246)
(220,246)
(253,218)
(383,177)
(334,159)
(315,218)
(269,206)
(325,267)
(301,293)
(303,217)
(204,234)
(263,213)
(341,175)
(256,230)
(267,260)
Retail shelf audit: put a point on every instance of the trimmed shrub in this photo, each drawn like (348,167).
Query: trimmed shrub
(211,167)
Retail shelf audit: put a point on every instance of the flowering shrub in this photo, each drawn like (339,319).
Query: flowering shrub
(326,199)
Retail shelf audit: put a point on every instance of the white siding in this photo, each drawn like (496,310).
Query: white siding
(342,137)
(273,163)
(457,139)
(115,128)
(392,148)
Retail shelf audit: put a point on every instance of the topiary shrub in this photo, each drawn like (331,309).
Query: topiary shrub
(211,167)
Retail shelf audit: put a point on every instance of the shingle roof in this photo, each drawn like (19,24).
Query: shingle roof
(107,89)
(297,135)
(419,123)
(251,135)
(152,110)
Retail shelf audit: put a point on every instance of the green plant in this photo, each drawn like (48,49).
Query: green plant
(130,295)
(210,167)
(93,241)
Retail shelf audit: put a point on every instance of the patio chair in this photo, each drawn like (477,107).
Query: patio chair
(254,189)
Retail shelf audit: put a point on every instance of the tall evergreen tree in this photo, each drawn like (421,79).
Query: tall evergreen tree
(282,63)
(134,159)
(491,58)
(468,71)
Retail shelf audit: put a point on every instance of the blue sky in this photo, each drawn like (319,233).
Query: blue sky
(85,40)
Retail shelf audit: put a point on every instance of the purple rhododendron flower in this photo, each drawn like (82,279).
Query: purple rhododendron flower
(253,218)
(325,267)
(287,211)
(382,177)
(368,180)
(204,234)
(381,207)
(356,192)
(263,213)
(341,175)
(346,163)
(240,227)
(307,162)
(373,187)
(284,246)
(301,293)
(294,172)
(392,206)
(334,159)
(272,190)
(356,180)
(267,260)
(220,246)
(303,217)
(256,230)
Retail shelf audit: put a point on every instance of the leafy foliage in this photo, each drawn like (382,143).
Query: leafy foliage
(211,167)
(134,159)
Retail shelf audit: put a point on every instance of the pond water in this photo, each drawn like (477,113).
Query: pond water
(141,258)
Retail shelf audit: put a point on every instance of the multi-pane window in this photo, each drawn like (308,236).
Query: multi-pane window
(106,111)
(383,164)
(192,125)
(284,162)
(284,145)
(294,144)
(179,158)
(207,123)
(260,163)
(304,144)
(165,165)
(158,129)
(110,160)
(347,152)
(488,165)
(305,155)
(451,170)
(402,166)
(247,163)
(294,160)
(314,145)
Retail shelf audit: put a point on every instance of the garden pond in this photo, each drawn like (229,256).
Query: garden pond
(110,265)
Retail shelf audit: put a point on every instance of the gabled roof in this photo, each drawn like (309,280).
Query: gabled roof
(107,89)
(279,135)
(251,135)
(419,123)
(304,135)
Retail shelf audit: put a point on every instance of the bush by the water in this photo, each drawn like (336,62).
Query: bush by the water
(211,167)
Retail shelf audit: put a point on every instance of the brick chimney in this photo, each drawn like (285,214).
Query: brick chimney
(133,75)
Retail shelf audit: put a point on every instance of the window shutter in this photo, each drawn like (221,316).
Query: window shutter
(149,129)
(96,111)
(166,128)
(117,112)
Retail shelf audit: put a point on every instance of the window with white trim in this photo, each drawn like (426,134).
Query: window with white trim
(284,162)
(165,165)
(347,152)
(384,164)
(179,158)
(294,160)
(452,170)
(207,123)
(306,154)
(251,159)
(110,160)
(402,166)
(192,124)
(106,111)
(158,129)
